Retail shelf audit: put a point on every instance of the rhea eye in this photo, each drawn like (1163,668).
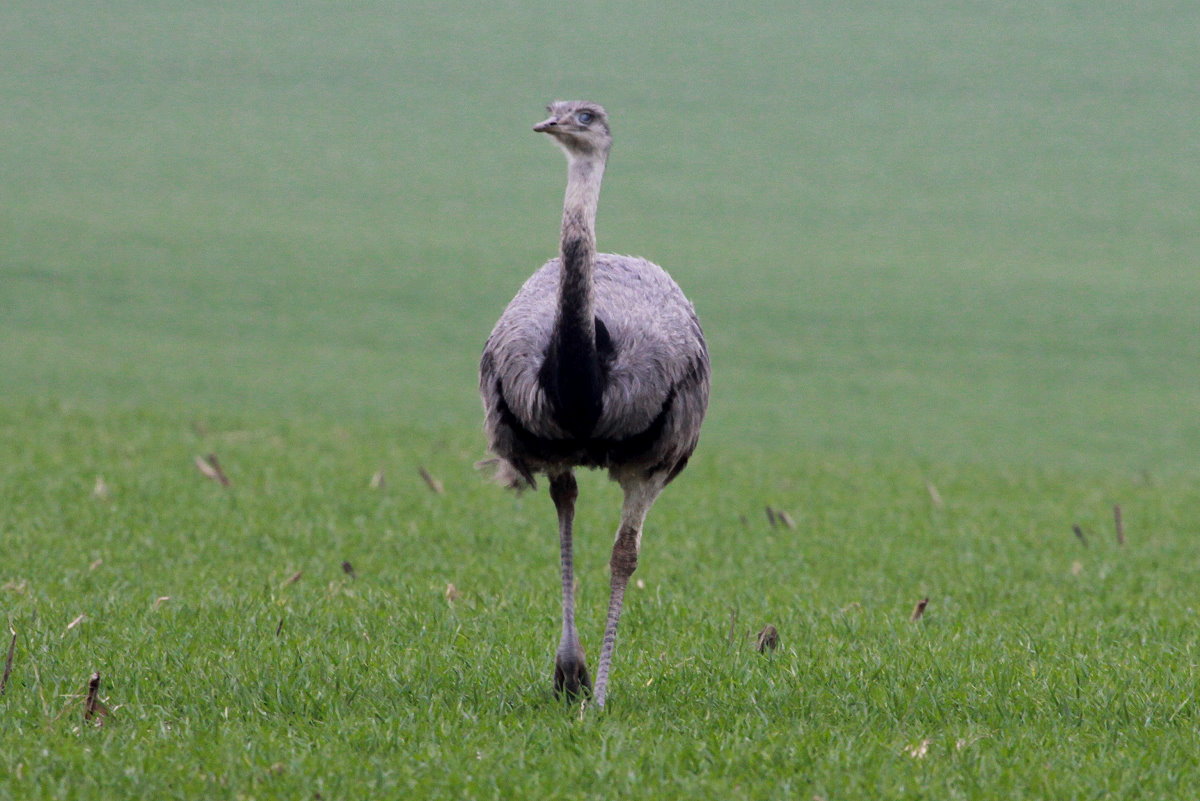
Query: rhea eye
(584,117)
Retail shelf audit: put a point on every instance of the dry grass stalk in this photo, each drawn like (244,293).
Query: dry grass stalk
(92,708)
(768,639)
(100,489)
(430,481)
(778,517)
(733,616)
(452,593)
(377,480)
(935,497)
(279,628)
(919,610)
(75,622)
(12,649)
(159,601)
(210,468)
(295,577)
(919,750)
(1120,524)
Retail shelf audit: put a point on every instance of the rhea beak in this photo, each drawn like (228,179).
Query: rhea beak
(546,125)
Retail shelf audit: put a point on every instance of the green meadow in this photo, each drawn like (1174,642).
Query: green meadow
(946,255)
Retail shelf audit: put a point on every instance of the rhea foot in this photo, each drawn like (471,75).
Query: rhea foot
(571,675)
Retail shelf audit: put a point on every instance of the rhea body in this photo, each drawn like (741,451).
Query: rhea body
(599,361)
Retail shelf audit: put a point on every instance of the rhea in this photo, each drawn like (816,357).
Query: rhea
(598,362)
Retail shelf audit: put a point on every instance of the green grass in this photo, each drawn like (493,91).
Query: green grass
(946,244)
(1042,667)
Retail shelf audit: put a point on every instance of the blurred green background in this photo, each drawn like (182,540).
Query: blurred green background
(946,229)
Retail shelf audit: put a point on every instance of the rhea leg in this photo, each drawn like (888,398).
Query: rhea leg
(570,664)
(639,497)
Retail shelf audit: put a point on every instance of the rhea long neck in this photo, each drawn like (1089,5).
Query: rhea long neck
(577,246)
(571,375)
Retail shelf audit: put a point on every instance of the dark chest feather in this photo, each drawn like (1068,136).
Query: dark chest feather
(574,375)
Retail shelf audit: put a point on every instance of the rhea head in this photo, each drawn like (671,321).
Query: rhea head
(578,127)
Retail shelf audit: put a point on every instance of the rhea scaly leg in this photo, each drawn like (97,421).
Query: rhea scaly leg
(570,664)
(639,497)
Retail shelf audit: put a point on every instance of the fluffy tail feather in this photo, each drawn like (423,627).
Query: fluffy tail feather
(507,474)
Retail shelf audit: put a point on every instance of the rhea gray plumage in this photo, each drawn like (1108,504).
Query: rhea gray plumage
(599,361)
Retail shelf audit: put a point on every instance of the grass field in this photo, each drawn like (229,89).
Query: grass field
(945,254)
